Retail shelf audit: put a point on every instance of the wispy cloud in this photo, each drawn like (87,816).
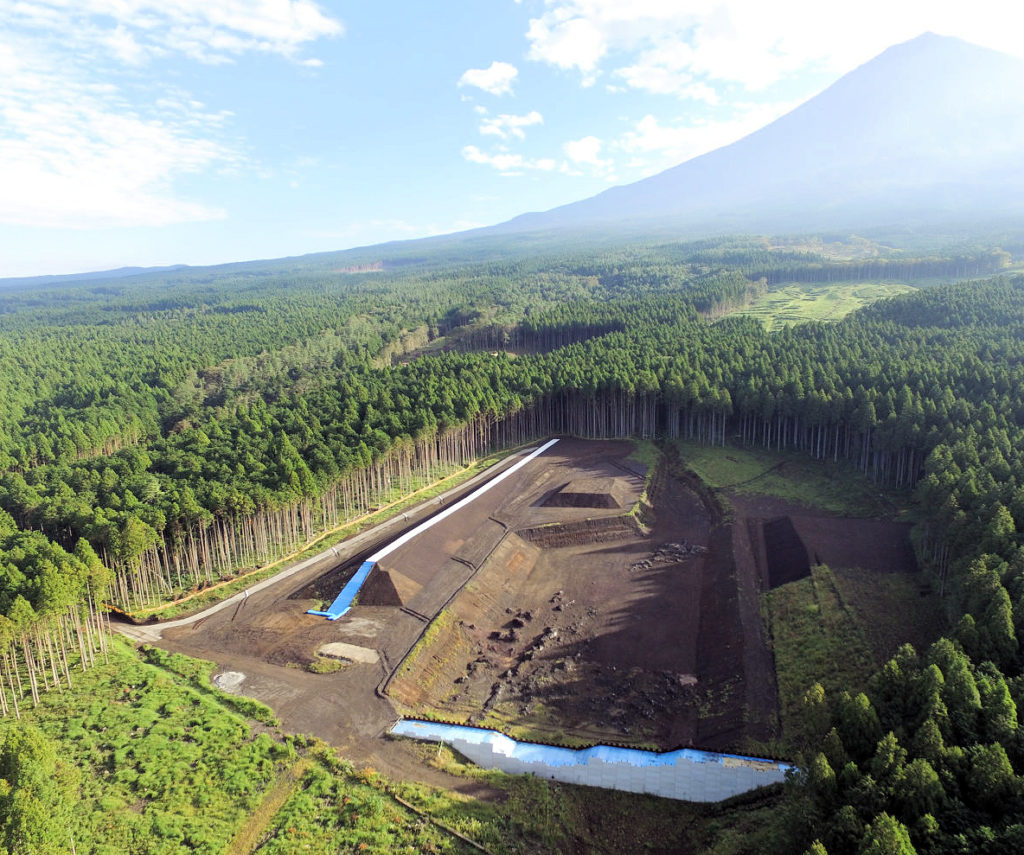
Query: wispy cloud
(497,78)
(666,48)
(506,125)
(653,144)
(90,138)
(214,31)
(75,153)
(508,163)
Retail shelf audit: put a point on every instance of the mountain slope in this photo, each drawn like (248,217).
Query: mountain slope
(930,128)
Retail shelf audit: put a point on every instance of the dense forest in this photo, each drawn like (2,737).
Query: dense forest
(161,432)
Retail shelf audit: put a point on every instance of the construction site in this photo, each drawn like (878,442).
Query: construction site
(579,599)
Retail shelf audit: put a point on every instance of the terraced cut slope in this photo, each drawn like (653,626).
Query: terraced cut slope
(548,620)
(584,624)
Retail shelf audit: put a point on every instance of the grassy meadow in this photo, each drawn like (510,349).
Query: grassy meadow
(792,476)
(797,303)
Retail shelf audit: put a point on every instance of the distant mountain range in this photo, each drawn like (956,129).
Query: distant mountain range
(928,135)
(930,130)
(60,279)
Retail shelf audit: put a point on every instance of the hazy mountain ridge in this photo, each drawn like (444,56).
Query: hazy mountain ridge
(930,128)
(927,137)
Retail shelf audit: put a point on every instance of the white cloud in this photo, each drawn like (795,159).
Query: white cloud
(663,47)
(584,157)
(74,153)
(568,42)
(506,125)
(496,79)
(208,30)
(663,71)
(586,150)
(87,139)
(506,162)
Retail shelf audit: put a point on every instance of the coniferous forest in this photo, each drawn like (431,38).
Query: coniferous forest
(161,432)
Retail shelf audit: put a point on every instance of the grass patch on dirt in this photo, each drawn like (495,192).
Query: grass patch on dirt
(428,663)
(837,628)
(326,665)
(543,725)
(441,623)
(789,475)
(535,815)
(892,609)
(647,453)
(797,303)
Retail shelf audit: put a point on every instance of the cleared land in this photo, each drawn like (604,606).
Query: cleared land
(571,603)
(837,626)
(582,623)
(798,303)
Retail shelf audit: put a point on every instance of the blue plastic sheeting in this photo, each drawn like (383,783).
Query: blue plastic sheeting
(687,773)
(343,602)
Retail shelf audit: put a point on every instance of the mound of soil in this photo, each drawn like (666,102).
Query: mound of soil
(602,530)
(590,493)
(388,588)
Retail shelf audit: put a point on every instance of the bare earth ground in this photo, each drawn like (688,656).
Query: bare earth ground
(580,624)
(557,621)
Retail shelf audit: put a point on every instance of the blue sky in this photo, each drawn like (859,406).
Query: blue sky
(145,132)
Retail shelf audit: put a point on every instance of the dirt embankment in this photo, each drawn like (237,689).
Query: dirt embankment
(595,629)
(582,532)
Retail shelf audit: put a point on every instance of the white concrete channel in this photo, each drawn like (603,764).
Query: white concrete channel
(343,602)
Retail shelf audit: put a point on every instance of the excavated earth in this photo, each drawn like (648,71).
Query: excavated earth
(567,609)
(585,619)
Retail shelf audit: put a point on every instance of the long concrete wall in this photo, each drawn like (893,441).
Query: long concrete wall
(686,774)
(343,602)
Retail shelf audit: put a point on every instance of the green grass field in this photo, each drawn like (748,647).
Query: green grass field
(797,303)
(168,764)
(165,766)
(836,628)
(793,476)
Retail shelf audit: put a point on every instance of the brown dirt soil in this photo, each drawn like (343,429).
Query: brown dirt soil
(562,622)
(582,624)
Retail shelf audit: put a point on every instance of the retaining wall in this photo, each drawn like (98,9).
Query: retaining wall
(687,774)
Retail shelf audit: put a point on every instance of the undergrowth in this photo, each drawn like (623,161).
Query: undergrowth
(789,475)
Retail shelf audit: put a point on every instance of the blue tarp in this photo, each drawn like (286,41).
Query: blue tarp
(343,602)
(553,755)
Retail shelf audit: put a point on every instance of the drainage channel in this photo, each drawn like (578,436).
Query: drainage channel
(343,602)
(686,774)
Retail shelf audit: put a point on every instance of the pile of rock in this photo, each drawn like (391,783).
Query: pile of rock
(669,553)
